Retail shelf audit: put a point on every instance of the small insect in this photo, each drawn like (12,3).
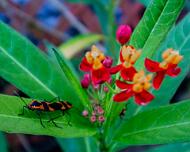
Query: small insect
(123,111)
(48,106)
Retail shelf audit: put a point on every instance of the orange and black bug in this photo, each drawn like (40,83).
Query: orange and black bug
(48,106)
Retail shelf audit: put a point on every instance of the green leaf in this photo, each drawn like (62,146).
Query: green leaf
(158,126)
(183,147)
(87,144)
(31,71)
(25,66)
(78,43)
(72,78)
(29,123)
(52,57)
(157,20)
(3,143)
(179,39)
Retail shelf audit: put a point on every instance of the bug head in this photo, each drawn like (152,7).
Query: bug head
(35,105)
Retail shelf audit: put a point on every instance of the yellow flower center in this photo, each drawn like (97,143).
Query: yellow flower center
(141,81)
(170,56)
(130,55)
(95,57)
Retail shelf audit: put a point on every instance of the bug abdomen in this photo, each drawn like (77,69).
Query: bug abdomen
(55,106)
(45,106)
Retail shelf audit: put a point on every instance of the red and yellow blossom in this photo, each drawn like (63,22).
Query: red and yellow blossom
(168,66)
(97,64)
(138,88)
(128,57)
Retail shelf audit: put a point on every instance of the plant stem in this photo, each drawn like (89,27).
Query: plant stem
(110,88)
(102,142)
(87,144)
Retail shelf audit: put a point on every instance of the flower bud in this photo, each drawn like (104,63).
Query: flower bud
(123,34)
(101,119)
(85,113)
(107,62)
(85,81)
(93,118)
(100,110)
(106,89)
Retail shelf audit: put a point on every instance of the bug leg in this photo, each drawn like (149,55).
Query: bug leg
(52,120)
(39,114)
(23,108)
(69,121)
(56,124)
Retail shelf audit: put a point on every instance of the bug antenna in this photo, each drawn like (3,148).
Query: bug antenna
(16,93)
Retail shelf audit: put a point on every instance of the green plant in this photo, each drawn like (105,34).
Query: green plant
(40,77)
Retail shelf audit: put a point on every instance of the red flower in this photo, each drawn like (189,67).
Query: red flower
(97,64)
(128,57)
(138,89)
(167,67)
(123,34)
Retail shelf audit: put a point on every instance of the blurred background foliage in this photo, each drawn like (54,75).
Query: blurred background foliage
(72,26)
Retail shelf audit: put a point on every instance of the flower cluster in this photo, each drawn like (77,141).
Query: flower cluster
(131,83)
(168,66)
(97,114)
(137,88)
(98,67)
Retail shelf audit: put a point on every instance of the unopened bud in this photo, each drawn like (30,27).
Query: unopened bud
(106,89)
(107,62)
(85,113)
(93,118)
(85,81)
(101,119)
(123,34)
(100,110)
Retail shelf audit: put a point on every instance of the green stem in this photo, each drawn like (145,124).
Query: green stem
(87,144)
(102,142)
(109,111)
(90,94)
(110,88)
